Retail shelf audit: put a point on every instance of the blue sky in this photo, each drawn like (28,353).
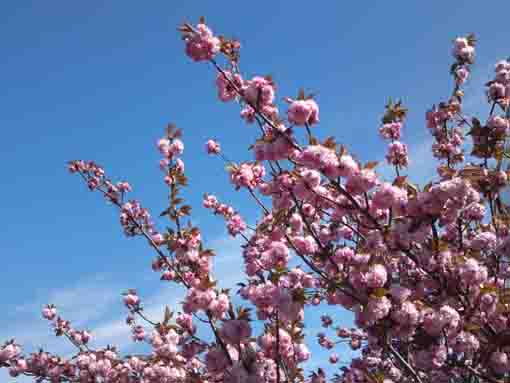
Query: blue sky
(100,80)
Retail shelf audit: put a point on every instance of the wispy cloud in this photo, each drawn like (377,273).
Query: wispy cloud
(85,301)
(81,303)
(92,302)
(227,269)
(116,332)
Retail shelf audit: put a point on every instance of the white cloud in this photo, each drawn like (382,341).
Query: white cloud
(227,269)
(116,332)
(88,300)
(89,304)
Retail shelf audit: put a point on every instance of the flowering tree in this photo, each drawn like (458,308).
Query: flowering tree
(424,270)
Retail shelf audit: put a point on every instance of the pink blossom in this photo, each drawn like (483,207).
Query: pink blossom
(305,245)
(212,147)
(376,276)
(158,239)
(85,336)
(277,255)
(209,201)
(435,321)
(314,117)
(278,148)
(377,309)
(299,112)
(138,333)
(248,114)
(228,85)
(176,148)
(18,367)
(400,294)
(499,362)
(236,225)
(474,211)
(326,321)
(407,314)
(461,75)
(301,352)
(500,124)
(471,272)
(296,222)
(466,342)
(391,131)
(247,175)
(124,187)
(387,196)
(219,306)
(362,181)
(462,50)
(131,300)
(496,91)
(431,358)
(201,44)
(397,154)
(186,322)
(216,360)
(179,165)
(320,158)
(347,166)
(485,241)
(343,255)
(303,112)
(8,352)
(49,312)
(259,91)
(236,331)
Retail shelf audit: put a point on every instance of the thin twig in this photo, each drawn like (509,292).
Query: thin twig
(404,362)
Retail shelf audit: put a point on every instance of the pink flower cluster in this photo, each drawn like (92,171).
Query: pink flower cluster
(229,86)
(499,88)
(170,149)
(391,128)
(135,219)
(212,147)
(276,144)
(397,154)
(464,50)
(303,112)
(424,269)
(95,176)
(63,327)
(235,223)
(391,131)
(324,159)
(201,44)
(259,92)
(247,175)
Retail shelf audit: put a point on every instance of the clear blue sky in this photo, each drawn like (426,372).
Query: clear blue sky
(100,80)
